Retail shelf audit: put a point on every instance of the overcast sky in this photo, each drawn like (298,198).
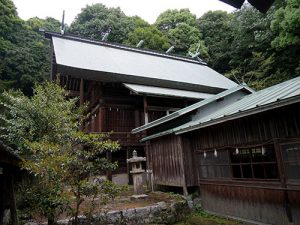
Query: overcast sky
(146,9)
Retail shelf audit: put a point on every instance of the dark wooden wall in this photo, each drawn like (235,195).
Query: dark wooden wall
(283,124)
(274,201)
(166,161)
(171,163)
(10,174)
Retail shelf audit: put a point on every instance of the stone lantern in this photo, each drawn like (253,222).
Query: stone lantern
(137,174)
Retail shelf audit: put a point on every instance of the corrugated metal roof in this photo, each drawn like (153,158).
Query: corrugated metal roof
(191,108)
(109,58)
(167,92)
(273,97)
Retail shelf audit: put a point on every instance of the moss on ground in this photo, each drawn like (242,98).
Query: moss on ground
(200,217)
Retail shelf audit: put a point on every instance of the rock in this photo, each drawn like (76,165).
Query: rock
(135,197)
(142,212)
(114,217)
(128,214)
(62,222)
(31,223)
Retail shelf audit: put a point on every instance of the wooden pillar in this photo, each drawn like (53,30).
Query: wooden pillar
(137,118)
(128,155)
(81,92)
(146,110)
(13,204)
(283,178)
(2,195)
(81,99)
(184,186)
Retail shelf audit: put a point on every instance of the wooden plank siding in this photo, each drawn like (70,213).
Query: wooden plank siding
(165,154)
(189,163)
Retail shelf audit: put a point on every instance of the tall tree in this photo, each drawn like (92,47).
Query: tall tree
(216,27)
(24,53)
(171,18)
(96,20)
(256,56)
(152,37)
(180,27)
(185,37)
(286,25)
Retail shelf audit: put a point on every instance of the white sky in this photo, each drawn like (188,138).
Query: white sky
(146,9)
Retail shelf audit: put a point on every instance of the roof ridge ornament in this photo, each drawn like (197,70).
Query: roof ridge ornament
(62,25)
(196,54)
(170,49)
(141,42)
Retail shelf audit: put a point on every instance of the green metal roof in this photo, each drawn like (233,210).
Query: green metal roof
(191,108)
(282,94)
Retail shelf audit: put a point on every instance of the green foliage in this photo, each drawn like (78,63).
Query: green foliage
(9,21)
(253,58)
(49,24)
(45,130)
(287,25)
(96,20)
(216,27)
(183,36)
(171,18)
(202,217)
(153,38)
(181,30)
(24,53)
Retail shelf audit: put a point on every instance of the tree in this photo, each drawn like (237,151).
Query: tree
(252,57)
(185,38)
(153,38)
(286,25)
(24,53)
(216,27)
(171,18)
(49,24)
(45,131)
(255,58)
(9,21)
(180,28)
(96,20)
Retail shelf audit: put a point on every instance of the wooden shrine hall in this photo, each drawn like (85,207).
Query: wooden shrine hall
(128,87)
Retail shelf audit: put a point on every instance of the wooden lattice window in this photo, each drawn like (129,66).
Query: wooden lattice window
(241,163)
(256,162)
(291,158)
(214,167)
